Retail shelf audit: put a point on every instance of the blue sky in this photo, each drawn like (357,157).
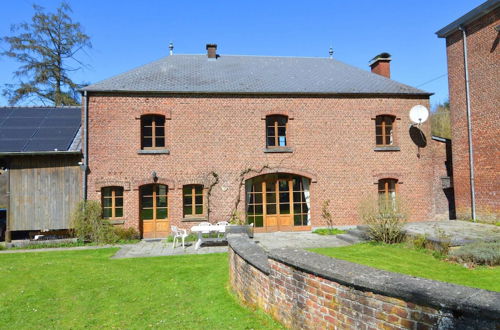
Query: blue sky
(126,33)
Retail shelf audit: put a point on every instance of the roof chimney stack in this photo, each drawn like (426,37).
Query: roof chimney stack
(212,51)
(381,65)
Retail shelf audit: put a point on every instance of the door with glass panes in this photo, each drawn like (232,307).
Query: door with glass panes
(154,211)
(277,203)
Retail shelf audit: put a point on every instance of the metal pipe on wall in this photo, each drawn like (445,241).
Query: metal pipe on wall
(469,126)
(85,144)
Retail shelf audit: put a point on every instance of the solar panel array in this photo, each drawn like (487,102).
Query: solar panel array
(31,129)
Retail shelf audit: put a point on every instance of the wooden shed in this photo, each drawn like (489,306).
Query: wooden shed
(40,153)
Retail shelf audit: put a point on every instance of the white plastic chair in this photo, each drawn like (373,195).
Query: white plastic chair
(222,223)
(179,234)
(204,223)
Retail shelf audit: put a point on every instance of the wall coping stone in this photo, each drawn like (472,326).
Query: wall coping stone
(249,251)
(422,291)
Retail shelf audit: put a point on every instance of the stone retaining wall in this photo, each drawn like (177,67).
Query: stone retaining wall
(310,291)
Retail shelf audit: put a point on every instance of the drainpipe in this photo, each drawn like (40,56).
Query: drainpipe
(85,144)
(469,126)
(8,233)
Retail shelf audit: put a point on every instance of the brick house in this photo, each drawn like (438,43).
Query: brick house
(477,35)
(202,137)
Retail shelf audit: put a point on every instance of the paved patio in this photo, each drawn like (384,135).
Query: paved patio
(156,248)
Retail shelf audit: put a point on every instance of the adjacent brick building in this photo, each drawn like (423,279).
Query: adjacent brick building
(203,137)
(481,28)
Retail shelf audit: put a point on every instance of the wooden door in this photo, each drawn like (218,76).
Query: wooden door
(154,211)
(278,211)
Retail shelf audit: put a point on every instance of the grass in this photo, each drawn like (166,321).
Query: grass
(65,245)
(401,259)
(329,231)
(87,289)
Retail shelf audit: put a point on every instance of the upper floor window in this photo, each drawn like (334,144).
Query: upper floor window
(276,131)
(152,132)
(112,202)
(384,130)
(192,200)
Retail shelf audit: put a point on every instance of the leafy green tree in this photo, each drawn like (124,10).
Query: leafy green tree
(47,48)
(441,121)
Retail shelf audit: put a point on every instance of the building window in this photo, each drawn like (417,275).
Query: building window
(192,200)
(384,130)
(112,202)
(153,132)
(276,131)
(387,189)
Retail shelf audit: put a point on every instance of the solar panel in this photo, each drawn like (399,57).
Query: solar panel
(57,132)
(48,144)
(38,129)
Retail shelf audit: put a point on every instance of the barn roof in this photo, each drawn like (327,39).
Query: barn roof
(251,75)
(39,129)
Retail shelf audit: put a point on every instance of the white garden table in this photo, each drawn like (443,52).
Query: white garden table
(213,229)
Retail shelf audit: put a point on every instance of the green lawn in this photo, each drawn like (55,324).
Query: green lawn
(86,289)
(421,263)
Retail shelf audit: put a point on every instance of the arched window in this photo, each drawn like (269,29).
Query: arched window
(387,189)
(276,131)
(153,132)
(192,197)
(112,202)
(384,130)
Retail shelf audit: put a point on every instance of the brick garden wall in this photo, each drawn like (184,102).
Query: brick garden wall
(304,290)
(333,141)
(484,70)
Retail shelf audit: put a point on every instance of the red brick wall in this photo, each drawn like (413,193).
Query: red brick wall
(484,70)
(333,142)
(301,300)
(304,290)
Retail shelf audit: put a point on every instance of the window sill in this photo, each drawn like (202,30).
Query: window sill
(387,148)
(154,152)
(200,219)
(278,150)
(116,222)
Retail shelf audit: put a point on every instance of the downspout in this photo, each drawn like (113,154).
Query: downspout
(85,144)
(469,126)
(8,233)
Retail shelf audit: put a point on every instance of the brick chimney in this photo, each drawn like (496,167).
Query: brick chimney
(381,64)
(212,51)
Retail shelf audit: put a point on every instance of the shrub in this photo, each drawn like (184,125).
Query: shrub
(481,253)
(326,215)
(385,220)
(89,226)
(127,234)
(329,231)
(418,242)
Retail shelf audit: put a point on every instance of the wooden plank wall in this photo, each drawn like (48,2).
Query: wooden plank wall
(44,190)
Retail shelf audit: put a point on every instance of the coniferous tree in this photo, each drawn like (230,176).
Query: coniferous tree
(47,48)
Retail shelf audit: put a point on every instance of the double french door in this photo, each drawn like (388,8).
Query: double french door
(277,203)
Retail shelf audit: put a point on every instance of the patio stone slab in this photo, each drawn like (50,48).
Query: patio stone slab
(459,232)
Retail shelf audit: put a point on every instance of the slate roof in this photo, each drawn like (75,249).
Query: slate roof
(472,15)
(39,129)
(252,75)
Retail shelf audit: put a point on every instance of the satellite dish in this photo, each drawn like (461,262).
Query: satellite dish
(419,114)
